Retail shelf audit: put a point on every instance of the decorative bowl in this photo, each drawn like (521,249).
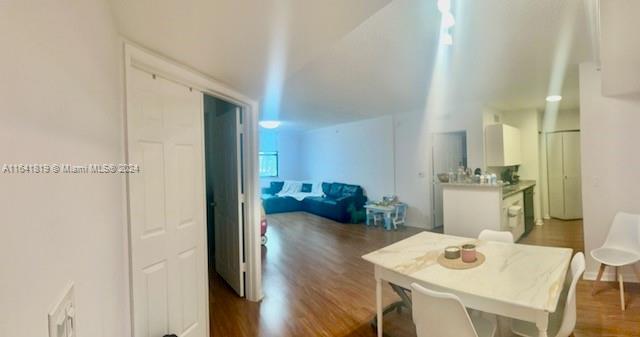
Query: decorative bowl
(443,177)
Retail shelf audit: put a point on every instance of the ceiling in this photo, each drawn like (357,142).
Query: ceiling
(316,63)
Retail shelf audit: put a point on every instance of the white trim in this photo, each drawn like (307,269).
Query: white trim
(140,58)
(609,276)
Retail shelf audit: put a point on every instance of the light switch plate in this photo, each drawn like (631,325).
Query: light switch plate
(62,320)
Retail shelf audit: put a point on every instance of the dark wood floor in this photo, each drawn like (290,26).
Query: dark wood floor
(316,284)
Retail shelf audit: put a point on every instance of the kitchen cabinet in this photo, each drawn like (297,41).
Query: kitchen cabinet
(470,208)
(564,176)
(502,145)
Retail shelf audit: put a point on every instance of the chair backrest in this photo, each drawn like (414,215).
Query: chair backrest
(491,235)
(569,315)
(437,314)
(400,211)
(625,232)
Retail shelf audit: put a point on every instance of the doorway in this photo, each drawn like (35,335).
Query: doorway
(449,151)
(224,181)
(166,200)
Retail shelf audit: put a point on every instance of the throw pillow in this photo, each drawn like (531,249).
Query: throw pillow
(276,186)
(306,188)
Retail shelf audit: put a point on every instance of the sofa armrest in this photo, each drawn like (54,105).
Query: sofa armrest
(267,190)
(361,201)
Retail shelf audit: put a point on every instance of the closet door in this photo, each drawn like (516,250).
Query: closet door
(555,174)
(572,175)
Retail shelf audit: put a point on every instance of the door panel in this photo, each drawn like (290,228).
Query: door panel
(166,208)
(572,175)
(227,195)
(555,175)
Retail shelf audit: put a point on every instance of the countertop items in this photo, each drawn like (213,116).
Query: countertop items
(516,281)
(496,185)
(508,190)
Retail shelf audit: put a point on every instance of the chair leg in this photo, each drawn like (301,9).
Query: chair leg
(600,272)
(621,281)
(636,270)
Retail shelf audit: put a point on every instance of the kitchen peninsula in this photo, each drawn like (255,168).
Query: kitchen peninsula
(469,208)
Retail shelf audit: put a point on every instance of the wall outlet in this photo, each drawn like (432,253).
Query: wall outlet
(62,318)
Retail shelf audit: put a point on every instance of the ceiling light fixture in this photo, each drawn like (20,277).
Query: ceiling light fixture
(269,124)
(446,39)
(448,21)
(444,6)
(554,98)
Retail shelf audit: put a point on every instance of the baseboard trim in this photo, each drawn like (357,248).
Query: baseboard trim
(609,276)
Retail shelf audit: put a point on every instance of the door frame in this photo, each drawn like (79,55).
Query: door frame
(137,57)
(434,178)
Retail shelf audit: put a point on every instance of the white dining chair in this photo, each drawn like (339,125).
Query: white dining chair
(563,321)
(491,235)
(437,314)
(622,248)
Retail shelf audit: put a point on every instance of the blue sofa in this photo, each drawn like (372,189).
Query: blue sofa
(341,202)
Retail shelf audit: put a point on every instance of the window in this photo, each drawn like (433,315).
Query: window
(268,164)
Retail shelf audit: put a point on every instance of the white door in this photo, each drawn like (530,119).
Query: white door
(448,154)
(564,175)
(572,175)
(228,196)
(166,208)
(555,175)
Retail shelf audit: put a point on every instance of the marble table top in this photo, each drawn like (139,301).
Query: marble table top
(529,276)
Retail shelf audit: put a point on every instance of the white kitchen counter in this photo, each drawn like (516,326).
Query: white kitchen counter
(470,208)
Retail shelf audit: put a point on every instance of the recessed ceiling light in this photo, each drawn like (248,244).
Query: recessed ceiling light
(269,124)
(554,98)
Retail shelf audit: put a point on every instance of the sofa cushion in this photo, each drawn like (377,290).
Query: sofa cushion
(335,191)
(306,188)
(275,204)
(326,188)
(351,190)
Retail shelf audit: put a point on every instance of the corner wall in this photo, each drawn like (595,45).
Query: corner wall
(359,153)
(61,102)
(287,144)
(610,161)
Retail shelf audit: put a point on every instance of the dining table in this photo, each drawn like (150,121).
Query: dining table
(515,281)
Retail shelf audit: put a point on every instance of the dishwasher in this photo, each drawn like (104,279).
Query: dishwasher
(529,217)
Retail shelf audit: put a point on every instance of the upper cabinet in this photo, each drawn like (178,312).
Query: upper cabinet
(502,145)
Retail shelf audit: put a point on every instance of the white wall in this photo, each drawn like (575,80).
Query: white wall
(620,49)
(610,161)
(60,102)
(528,123)
(413,154)
(287,143)
(359,153)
